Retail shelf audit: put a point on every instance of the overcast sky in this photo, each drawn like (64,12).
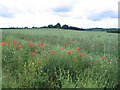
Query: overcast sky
(79,13)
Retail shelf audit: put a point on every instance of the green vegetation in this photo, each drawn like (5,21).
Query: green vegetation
(39,58)
(114,31)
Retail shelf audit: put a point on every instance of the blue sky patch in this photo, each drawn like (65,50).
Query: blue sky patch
(105,14)
(62,9)
(4,12)
(6,15)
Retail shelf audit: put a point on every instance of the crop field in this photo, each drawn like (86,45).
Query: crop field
(58,58)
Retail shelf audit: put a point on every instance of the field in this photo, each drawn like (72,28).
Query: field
(57,58)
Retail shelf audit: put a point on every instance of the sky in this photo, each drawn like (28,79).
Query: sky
(78,13)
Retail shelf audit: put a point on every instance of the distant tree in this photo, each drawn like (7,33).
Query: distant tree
(74,28)
(26,27)
(50,26)
(44,27)
(65,26)
(57,25)
(33,27)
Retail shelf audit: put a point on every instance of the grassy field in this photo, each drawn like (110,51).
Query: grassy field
(57,58)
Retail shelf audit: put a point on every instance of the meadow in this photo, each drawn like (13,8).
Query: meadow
(58,58)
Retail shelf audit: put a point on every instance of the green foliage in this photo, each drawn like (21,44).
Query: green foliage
(114,31)
(50,26)
(57,25)
(65,26)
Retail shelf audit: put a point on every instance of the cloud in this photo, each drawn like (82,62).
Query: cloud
(4,12)
(102,15)
(80,13)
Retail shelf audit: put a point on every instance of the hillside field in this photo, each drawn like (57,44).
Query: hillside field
(58,58)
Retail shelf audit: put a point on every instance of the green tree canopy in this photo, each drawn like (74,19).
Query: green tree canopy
(65,26)
(50,26)
(57,25)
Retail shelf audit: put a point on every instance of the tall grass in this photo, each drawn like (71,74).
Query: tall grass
(97,68)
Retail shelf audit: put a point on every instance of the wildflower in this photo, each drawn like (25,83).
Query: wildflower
(15,42)
(19,45)
(25,43)
(69,52)
(110,60)
(41,44)
(34,50)
(53,52)
(82,54)
(9,42)
(65,44)
(73,40)
(33,63)
(31,43)
(33,54)
(103,58)
(3,43)
(50,49)
(42,47)
(62,47)
(78,49)
(76,40)
(44,44)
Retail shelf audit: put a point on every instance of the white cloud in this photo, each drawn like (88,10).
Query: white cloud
(41,12)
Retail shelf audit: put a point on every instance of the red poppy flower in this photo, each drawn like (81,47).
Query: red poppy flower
(34,50)
(34,46)
(41,44)
(42,47)
(103,58)
(53,52)
(70,44)
(19,45)
(78,49)
(44,44)
(15,42)
(65,44)
(9,42)
(33,54)
(62,47)
(31,43)
(3,43)
(82,54)
(69,52)
(25,43)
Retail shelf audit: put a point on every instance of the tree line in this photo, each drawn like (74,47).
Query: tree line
(58,26)
(65,26)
